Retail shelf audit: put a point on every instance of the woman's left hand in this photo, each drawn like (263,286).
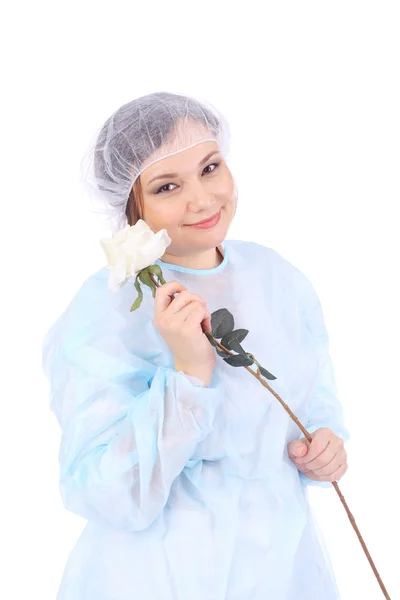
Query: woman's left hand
(322,459)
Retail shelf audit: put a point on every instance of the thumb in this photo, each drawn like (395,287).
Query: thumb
(297,448)
(206,325)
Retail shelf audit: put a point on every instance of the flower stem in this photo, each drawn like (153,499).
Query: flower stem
(154,280)
(334,483)
(258,376)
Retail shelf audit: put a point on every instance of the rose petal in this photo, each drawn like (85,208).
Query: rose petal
(117,275)
(133,249)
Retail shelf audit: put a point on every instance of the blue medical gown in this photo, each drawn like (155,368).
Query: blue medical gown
(188,490)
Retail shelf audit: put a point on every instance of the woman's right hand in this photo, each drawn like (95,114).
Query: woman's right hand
(181,320)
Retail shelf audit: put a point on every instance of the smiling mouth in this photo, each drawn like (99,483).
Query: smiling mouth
(205,221)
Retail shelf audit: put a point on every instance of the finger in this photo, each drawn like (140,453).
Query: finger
(321,460)
(165,294)
(338,474)
(181,318)
(178,302)
(198,298)
(183,299)
(326,469)
(206,324)
(320,441)
(334,448)
(335,476)
(330,467)
(197,316)
(297,448)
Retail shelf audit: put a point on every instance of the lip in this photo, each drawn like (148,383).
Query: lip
(207,222)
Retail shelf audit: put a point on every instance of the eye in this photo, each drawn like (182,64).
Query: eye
(163,189)
(216,164)
(164,186)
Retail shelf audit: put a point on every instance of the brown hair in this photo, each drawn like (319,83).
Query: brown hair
(134,206)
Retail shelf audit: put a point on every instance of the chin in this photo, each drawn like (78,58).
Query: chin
(213,237)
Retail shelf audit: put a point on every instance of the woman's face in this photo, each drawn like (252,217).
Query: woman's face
(190,186)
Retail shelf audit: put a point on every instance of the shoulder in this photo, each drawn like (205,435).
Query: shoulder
(89,302)
(95,312)
(243,252)
(271,266)
(94,299)
(255,253)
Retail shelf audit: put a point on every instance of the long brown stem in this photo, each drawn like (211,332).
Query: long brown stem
(334,483)
(257,375)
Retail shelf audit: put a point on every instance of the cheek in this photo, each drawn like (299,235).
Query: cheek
(159,215)
(225,189)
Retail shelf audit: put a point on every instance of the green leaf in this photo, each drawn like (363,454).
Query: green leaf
(213,343)
(221,323)
(239,360)
(156,270)
(232,340)
(266,373)
(139,299)
(137,303)
(145,278)
(222,353)
(210,338)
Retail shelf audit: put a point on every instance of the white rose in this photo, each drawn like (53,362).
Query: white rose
(132,249)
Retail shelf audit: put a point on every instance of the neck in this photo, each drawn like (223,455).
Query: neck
(209,259)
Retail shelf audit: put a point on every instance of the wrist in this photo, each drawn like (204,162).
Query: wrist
(203,372)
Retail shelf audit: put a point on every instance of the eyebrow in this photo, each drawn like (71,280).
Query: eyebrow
(165,175)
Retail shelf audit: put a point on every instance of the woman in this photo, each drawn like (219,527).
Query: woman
(191,475)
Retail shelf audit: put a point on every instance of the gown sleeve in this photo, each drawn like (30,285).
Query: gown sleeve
(323,406)
(128,426)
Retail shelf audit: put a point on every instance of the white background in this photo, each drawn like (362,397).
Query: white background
(311,91)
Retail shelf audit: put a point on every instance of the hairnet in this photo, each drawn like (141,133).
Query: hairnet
(135,136)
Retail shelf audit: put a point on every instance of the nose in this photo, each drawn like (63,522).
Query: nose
(199,197)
